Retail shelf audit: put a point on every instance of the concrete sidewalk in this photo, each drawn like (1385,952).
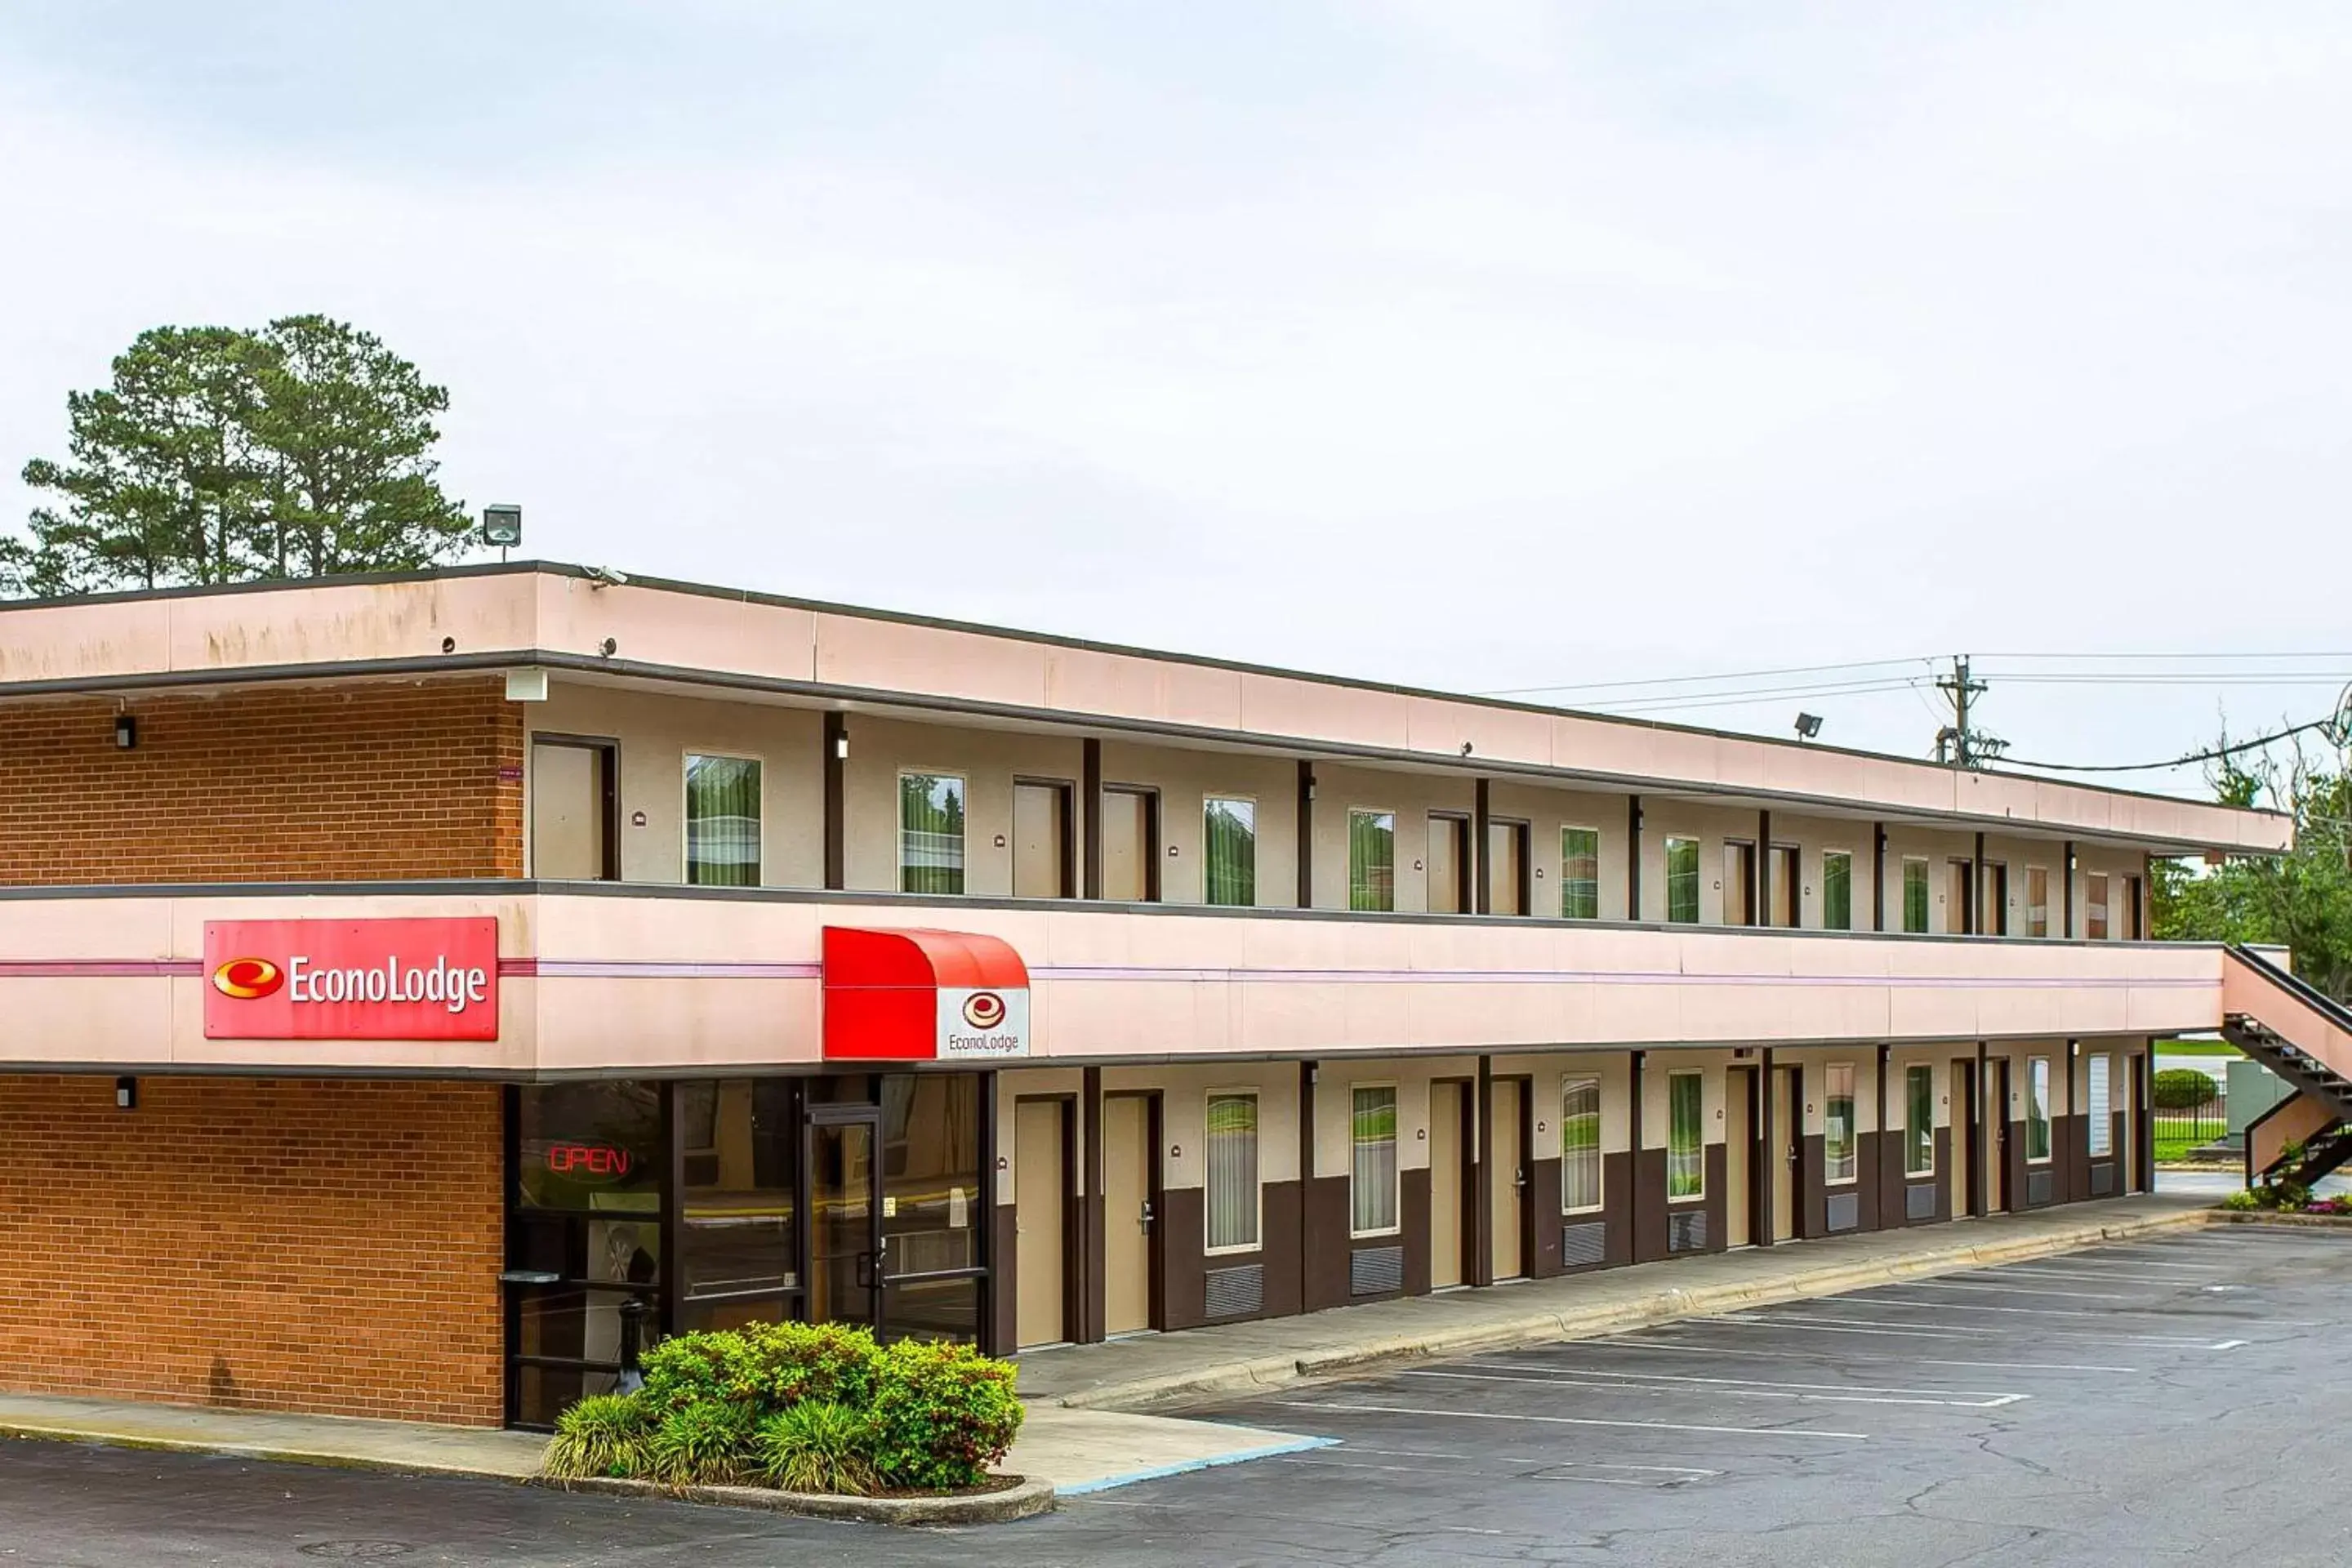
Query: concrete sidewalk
(1226,1360)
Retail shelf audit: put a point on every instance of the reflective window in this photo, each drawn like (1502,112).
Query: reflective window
(1918,1120)
(930,1172)
(1232,1197)
(591,1146)
(1580,1144)
(1371,860)
(1915,895)
(1229,851)
(1372,1179)
(1580,874)
(737,1244)
(930,832)
(2102,1107)
(1837,889)
(722,822)
(1838,1140)
(2037,1109)
(1682,881)
(1685,1136)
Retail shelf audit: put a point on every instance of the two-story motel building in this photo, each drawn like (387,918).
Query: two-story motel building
(398,976)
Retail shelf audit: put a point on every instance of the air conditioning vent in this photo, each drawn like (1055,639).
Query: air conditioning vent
(1844,1211)
(1375,1270)
(1584,1244)
(1687,1232)
(1919,1201)
(1236,1292)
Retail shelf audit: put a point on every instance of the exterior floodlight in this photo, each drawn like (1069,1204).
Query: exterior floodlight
(1808,726)
(502,526)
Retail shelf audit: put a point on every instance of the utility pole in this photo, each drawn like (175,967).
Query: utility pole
(1959,744)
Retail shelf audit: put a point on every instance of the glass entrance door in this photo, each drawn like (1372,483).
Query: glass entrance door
(848,1252)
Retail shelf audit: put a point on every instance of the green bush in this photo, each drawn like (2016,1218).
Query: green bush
(819,1446)
(2242,1200)
(945,1414)
(811,1407)
(604,1435)
(2184,1088)
(707,1445)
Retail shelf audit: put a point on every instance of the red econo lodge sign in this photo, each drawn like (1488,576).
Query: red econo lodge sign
(351,980)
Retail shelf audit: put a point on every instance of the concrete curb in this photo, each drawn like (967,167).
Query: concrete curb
(1031,1497)
(1243,1377)
(99,1436)
(2257,1217)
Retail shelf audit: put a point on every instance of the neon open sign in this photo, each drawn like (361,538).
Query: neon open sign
(588,1160)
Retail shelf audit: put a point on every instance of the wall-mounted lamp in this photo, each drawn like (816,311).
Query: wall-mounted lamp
(126,732)
(126,1094)
(1808,726)
(841,746)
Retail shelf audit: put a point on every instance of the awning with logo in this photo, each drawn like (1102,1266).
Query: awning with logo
(922,995)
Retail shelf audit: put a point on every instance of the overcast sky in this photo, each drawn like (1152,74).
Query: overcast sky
(1477,345)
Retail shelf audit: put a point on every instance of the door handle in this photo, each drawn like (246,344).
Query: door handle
(1519,1178)
(1143,1221)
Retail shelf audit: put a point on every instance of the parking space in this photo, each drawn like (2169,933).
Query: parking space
(2165,1401)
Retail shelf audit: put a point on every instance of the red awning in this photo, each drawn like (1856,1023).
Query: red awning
(882,990)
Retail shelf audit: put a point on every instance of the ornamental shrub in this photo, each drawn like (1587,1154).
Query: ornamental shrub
(819,1446)
(2184,1088)
(784,1364)
(710,1444)
(2240,1201)
(604,1435)
(689,1369)
(943,1414)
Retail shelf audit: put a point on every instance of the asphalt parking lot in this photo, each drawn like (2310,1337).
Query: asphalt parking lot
(2166,1400)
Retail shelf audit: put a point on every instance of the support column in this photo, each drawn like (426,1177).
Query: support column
(1761,915)
(1980,1181)
(1769,1174)
(997,1324)
(836,827)
(1308,1073)
(1090,780)
(1633,858)
(1482,1202)
(1878,876)
(1978,925)
(1091,1233)
(1306,835)
(1482,873)
(2067,874)
(1889,1152)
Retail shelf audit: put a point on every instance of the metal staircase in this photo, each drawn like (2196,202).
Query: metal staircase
(2305,1037)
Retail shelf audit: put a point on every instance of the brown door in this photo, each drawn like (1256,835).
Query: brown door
(1965,1131)
(1507,867)
(1127,1216)
(1131,846)
(1040,1218)
(1506,1178)
(573,812)
(1961,899)
(1041,842)
(1996,1117)
(1739,882)
(1787,1136)
(1448,1153)
(1739,1156)
(1449,864)
(1994,921)
(1787,887)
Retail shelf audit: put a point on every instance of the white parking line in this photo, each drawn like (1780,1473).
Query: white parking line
(1682,1347)
(1574,1421)
(1735,1384)
(2159,1274)
(2007,1289)
(1727,1387)
(1947,1331)
(1877,1300)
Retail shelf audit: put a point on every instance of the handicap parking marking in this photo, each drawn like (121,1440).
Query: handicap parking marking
(1572,1421)
(1747,1387)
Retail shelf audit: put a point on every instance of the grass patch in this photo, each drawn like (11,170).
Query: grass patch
(2198,1049)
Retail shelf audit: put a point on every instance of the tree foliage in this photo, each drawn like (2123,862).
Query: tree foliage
(219,455)
(2301,901)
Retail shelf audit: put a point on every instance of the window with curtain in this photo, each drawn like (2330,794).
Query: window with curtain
(1837,889)
(2094,905)
(2037,901)
(1232,1196)
(2103,1126)
(1685,1136)
(2037,1109)
(1580,874)
(1918,1120)
(1371,860)
(1837,1140)
(1373,1178)
(1915,895)
(1682,880)
(1580,1144)
(1229,851)
(930,832)
(722,822)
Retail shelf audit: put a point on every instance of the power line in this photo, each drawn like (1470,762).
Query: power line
(1700,679)
(1738,698)
(2333,723)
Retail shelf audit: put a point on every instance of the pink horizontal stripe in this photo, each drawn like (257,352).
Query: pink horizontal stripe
(76,968)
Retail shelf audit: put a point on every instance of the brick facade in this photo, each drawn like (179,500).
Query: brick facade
(356,782)
(322,1246)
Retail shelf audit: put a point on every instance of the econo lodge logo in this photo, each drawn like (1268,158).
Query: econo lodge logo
(248,979)
(983,1010)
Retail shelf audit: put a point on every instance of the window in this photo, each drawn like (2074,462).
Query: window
(1682,880)
(722,822)
(2103,1126)
(2037,1108)
(1233,1173)
(1130,845)
(1918,1120)
(930,832)
(1837,889)
(1685,1137)
(1373,1179)
(1580,874)
(1446,890)
(1580,1144)
(1372,859)
(738,1249)
(1229,851)
(1837,1140)
(2094,905)
(2037,901)
(1915,895)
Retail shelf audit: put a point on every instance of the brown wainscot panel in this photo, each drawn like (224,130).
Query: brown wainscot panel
(1650,1206)
(1812,1190)
(1617,1205)
(1326,1243)
(1183,1266)
(1281,1239)
(1003,1284)
(1543,1212)
(1867,1152)
(1717,1202)
(1416,1232)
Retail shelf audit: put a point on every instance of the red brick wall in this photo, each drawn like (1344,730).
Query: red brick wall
(284,1244)
(356,781)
